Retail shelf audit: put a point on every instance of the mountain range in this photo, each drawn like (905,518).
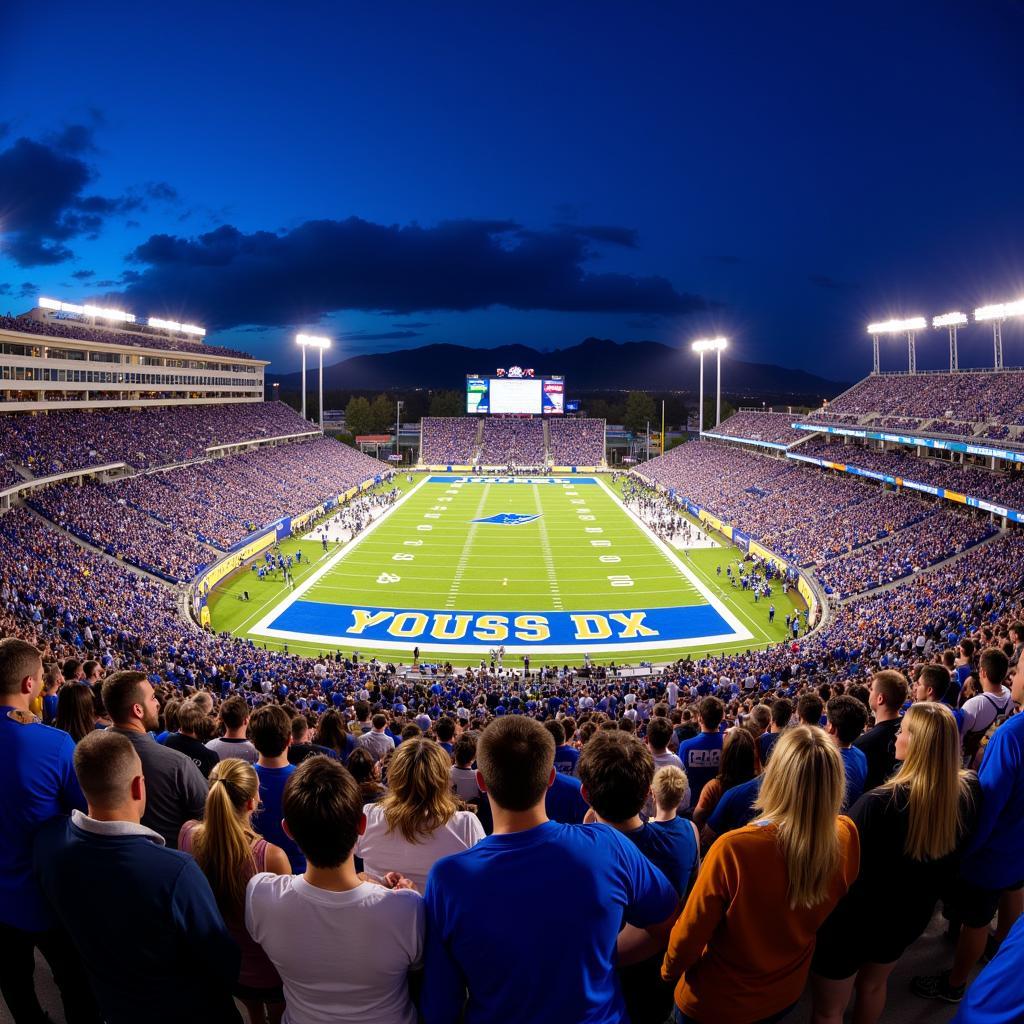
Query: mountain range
(595,364)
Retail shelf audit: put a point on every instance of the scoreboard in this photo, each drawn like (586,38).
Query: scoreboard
(522,396)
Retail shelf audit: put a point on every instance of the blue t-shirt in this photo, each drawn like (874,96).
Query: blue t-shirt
(701,759)
(49,708)
(765,742)
(37,783)
(601,880)
(566,758)
(856,765)
(267,820)
(736,807)
(994,995)
(993,856)
(671,846)
(564,801)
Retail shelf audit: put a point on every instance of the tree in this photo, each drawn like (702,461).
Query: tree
(709,412)
(639,412)
(358,418)
(382,415)
(447,403)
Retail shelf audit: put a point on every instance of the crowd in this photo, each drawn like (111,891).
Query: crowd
(448,440)
(962,399)
(59,441)
(512,442)
(776,427)
(576,442)
(84,332)
(1005,488)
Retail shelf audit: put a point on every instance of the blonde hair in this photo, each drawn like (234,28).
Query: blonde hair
(669,787)
(222,844)
(802,793)
(419,798)
(936,785)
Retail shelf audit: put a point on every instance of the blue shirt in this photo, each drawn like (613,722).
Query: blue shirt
(856,765)
(566,758)
(994,995)
(671,846)
(993,856)
(564,801)
(601,880)
(736,807)
(701,758)
(37,783)
(765,742)
(267,820)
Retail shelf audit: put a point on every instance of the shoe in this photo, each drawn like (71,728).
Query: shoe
(937,986)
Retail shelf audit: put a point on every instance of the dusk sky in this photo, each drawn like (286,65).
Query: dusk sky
(397,174)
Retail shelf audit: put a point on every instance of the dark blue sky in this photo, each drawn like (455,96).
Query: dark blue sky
(398,174)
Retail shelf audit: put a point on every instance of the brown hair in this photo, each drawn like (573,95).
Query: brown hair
(270,729)
(18,660)
(515,756)
(105,763)
(323,808)
(419,799)
(616,769)
(76,712)
(120,692)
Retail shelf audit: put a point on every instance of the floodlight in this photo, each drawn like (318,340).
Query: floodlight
(109,314)
(313,340)
(193,329)
(915,323)
(949,320)
(1000,310)
(48,303)
(709,344)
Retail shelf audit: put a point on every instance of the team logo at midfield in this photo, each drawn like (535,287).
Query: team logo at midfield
(508,519)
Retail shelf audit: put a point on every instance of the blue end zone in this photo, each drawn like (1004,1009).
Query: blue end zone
(564,481)
(586,630)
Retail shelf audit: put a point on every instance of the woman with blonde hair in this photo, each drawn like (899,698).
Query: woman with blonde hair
(229,853)
(742,947)
(418,821)
(912,828)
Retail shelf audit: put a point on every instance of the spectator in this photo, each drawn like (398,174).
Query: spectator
(888,693)
(575,980)
(343,947)
(912,828)
(809,709)
(175,788)
(332,733)
(37,784)
(702,756)
(790,868)
(271,731)
(738,765)
(418,820)
(464,783)
(229,853)
(301,747)
(115,887)
(76,711)
(659,734)
(994,701)
(994,997)
(377,741)
(565,756)
(847,717)
(188,740)
(782,712)
(366,772)
(234,718)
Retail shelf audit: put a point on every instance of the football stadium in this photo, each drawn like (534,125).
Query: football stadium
(373,651)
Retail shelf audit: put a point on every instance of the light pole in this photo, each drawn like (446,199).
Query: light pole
(320,343)
(700,346)
(997,314)
(952,321)
(907,327)
(398,427)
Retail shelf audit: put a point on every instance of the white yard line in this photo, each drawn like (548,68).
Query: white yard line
(549,558)
(460,568)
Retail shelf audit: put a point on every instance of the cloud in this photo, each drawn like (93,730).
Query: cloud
(416,324)
(83,275)
(43,200)
(626,237)
(28,288)
(830,283)
(227,277)
(382,336)
(5,288)
(162,192)
(645,323)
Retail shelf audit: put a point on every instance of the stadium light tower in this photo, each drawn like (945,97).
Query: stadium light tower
(700,346)
(997,314)
(952,321)
(319,343)
(908,327)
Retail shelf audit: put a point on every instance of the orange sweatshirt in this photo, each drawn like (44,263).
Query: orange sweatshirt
(738,949)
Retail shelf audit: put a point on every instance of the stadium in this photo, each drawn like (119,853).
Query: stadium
(511,514)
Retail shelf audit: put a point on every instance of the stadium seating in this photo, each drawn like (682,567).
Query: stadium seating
(512,442)
(448,440)
(775,427)
(576,442)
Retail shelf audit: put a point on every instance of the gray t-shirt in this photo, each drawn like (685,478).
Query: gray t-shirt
(225,748)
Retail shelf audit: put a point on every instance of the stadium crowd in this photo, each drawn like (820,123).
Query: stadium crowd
(74,330)
(576,442)
(448,440)
(512,442)
(776,427)
(60,441)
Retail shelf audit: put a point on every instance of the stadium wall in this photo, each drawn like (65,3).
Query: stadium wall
(807,586)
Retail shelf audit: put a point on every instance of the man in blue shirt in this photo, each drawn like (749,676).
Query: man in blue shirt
(565,756)
(271,731)
(702,755)
(116,888)
(846,718)
(620,906)
(37,783)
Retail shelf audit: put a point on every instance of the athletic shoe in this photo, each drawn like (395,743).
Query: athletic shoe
(937,986)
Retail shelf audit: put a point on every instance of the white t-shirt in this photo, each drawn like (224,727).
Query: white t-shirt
(464,783)
(981,711)
(384,851)
(344,957)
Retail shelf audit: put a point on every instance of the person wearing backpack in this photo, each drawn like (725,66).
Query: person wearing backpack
(982,712)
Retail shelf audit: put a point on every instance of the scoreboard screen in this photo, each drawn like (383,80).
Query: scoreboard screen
(521,396)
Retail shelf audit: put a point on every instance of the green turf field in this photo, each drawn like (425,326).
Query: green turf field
(574,573)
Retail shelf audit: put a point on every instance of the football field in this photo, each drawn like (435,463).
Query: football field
(554,568)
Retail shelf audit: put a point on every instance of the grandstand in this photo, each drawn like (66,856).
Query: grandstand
(135,511)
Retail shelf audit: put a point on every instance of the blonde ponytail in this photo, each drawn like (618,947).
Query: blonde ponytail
(222,844)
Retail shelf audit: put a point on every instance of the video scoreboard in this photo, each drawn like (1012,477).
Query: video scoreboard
(508,394)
